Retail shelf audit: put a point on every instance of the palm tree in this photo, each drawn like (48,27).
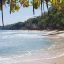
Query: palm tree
(25,3)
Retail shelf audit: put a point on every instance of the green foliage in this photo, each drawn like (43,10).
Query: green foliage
(55,20)
(25,3)
(59,4)
(36,3)
(15,6)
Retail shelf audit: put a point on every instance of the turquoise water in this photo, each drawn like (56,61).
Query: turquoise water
(21,42)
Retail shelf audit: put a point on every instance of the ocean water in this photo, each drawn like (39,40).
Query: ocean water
(28,47)
(22,42)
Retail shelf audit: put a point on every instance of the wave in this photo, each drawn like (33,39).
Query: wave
(21,35)
(24,34)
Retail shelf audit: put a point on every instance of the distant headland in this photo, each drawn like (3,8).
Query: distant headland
(55,20)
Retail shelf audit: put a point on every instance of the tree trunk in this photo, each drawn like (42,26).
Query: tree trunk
(33,8)
(2,12)
(41,7)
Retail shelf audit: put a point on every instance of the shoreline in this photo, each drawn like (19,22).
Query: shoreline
(33,59)
(54,55)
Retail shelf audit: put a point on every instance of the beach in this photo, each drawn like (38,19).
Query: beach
(54,54)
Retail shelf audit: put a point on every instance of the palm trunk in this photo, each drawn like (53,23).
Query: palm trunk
(47,6)
(10,6)
(15,4)
(41,7)
(2,12)
(33,7)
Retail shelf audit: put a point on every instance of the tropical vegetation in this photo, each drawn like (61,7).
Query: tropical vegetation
(52,21)
(15,5)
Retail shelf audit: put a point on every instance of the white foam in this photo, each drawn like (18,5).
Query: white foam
(22,36)
(19,59)
(25,34)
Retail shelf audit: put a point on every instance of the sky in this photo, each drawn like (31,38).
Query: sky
(22,15)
